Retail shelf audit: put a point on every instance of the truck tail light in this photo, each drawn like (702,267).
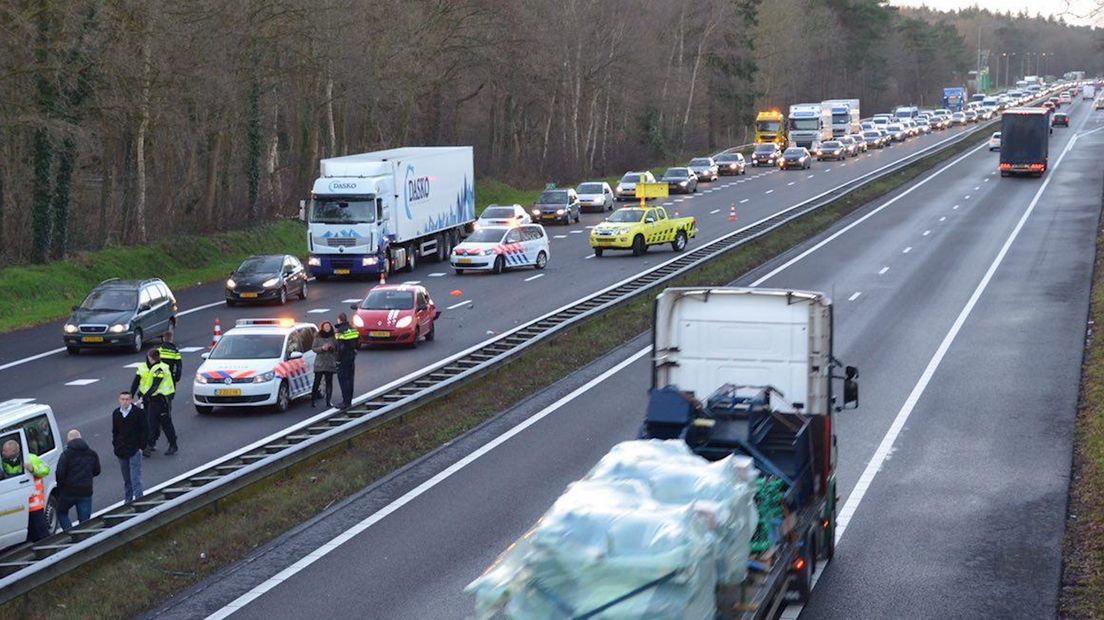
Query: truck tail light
(1006,166)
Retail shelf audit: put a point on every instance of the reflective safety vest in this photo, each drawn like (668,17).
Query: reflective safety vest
(348,334)
(39,470)
(147,375)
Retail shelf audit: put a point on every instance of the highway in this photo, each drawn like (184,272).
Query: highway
(963,300)
(82,389)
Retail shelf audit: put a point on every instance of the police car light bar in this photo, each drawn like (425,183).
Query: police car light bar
(265,322)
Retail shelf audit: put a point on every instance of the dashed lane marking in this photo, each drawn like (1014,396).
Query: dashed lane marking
(411,282)
(883,270)
(318,311)
(906,250)
(80,382)
(576,232)
(560,237)
(714,211)
(744,200)
(769,191)
(790,183)
(438,274)
(455,306)
(349,301)
(588,257)
(531,278)
(194,349)
(927,232)
(944,218)
(854,296)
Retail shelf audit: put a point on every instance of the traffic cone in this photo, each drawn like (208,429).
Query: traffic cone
(218,333)
(732,213)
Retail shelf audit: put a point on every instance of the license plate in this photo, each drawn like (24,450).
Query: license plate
(464,261)
(228,392)
(378,334)
(92,339)
(248,295)
(341,272)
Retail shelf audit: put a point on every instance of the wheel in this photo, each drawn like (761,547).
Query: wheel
(283,398)
(609,207)
(230,303)
(411,258)
(459,272)
(828,547)
(72,350)
(137,346)
(51,514)
(432,333)
(322,277)
(542,260)
(803,579)
(679,244)
(499,265)
(598,252)
(417,335)
(442,248)
(283,295)
(578,216)
(638,246)
(204,409)
(303,291)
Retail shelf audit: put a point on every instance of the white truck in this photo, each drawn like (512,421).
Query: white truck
(382,211)
(845,116)
(1088,91)
(809,124)
(663,527)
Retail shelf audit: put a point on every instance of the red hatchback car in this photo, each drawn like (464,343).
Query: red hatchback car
(396,314)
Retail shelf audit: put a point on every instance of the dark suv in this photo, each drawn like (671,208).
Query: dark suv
(121,313)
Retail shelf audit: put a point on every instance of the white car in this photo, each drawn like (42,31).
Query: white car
(257,363)
(499,249)
(33,426)
(994,141)
(503,215)
(595,196)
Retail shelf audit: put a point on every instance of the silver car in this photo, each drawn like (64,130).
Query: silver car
(626,187)
(704,168)
(595,196)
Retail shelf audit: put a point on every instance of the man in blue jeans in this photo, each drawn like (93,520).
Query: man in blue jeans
(129,433)
(76,468)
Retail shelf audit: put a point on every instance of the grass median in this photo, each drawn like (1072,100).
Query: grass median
(183,553)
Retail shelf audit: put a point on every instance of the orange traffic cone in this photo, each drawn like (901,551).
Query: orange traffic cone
(732,214)
(218,333)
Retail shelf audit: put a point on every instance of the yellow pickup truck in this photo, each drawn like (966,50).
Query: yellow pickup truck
(634,228)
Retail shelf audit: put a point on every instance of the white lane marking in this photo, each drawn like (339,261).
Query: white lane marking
(843,165)
(790,183)
(906,250)
(967,197)
(986,179)
(679,199)
(744,200)
(714,211)
(417,491)
(854,296)
(32,358)
(576,232)
(350,301)
(954,207)
(810,176)
(769,191)
(560,237)
(455,306)
(133,365)
(590,228)
(927,232)
(943,219)
(438,274)
(883,270)
(977,187)
(80,382)
(191,349)
(318,311)
(827,169)
(588,257)
(531,278)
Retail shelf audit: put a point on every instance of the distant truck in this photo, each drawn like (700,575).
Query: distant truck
(382,211)
(1088,91)
(845,116)
(954,98)
(770,128)
(738,375)
(1025,137)
(809,124)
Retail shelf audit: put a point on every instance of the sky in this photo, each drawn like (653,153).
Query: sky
(1046,7)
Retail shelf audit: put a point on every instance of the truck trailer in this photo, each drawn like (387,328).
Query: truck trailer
(741,400)
(809,124)
(378,212)
(845,116)
(1025,141)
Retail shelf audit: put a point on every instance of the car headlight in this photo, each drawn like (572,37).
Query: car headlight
(623,231)
(119,328)
(404,322)
(369,261)
(536,212)
(70,328)
(231,283)
(265,377)
(357,321)
(559,211)
(201,379)
(271,282)
(683,183)
(619,188)
(314,261)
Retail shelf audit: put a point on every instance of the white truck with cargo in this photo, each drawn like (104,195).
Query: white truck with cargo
(1088,91)
(383,211)
(809,124)
(726,501)
(845,116)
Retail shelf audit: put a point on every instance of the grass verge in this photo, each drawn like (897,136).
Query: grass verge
(1082,593)
(156,568)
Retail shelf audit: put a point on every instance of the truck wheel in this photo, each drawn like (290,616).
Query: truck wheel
(499,265)
(411,258)
(442,248)
(679,244)
(638,246)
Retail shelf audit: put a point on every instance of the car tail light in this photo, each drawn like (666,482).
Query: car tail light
(1006,166)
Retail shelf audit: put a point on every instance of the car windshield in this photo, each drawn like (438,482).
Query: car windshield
(110,300)
(554,197)
(804,124)
(794,152)
(770,126)
(871,134)
(832,144)
(326,210)
(996,135)
(589,188)
(724,159)
(630,178)
(388,300)
(261,264)
(896,128)
(625,216)
(249,347)
(498,213)
(699,161)
(765,149)
(676,173)
(486,235)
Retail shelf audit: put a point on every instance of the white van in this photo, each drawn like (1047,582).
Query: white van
(34,427)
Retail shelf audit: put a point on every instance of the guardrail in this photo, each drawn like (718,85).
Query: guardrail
(30,565)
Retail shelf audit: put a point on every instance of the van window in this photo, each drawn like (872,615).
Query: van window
(144,297)
(293,344)
(40,438)
(5,437)
(155,294)
(512,237)
(306,338)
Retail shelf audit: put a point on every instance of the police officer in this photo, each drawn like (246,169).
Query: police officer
(348,339)
(14,465)
(153,383)
(171,356)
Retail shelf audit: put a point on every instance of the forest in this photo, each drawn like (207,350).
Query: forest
(127,121)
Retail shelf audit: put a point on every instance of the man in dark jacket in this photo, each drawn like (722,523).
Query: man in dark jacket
(129,433)
(348,339)
(76,468)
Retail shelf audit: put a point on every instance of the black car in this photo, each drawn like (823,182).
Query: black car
(796,157)
(832,149)
(558,205)
(680,180)
(766,155)
(121,314)
(731,163)
(272,277)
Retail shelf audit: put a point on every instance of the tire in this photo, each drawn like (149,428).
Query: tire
(542,260)
(417,335)
(432,333)
(52,514)
(321,277)
(411,259)
(283,398)
(598,252)
(499,265)
(137,346)
(578,216)
(303,292)
(803,580)
(283,295)
(442,248)
(204,409)
(72,350)
(230,303)
(639,247)
(459,272)
(679,244)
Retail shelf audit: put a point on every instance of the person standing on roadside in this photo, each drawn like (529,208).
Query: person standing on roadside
(153,383)
(325,362)
(348,339)
(129,433)
(171,356)
(76,468)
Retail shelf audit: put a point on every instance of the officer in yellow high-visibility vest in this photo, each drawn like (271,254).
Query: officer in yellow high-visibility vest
(348,340)
(171,356)
(13,466)
(153,383)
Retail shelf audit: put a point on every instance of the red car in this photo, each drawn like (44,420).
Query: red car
(396,314)
(1060,118)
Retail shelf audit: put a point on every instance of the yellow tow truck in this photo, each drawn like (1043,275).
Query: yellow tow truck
(637,228)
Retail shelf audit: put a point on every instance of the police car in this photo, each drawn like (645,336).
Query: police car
(259,362)
(498,248)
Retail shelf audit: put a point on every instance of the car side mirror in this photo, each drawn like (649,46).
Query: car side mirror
(205,354)
(295,355)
